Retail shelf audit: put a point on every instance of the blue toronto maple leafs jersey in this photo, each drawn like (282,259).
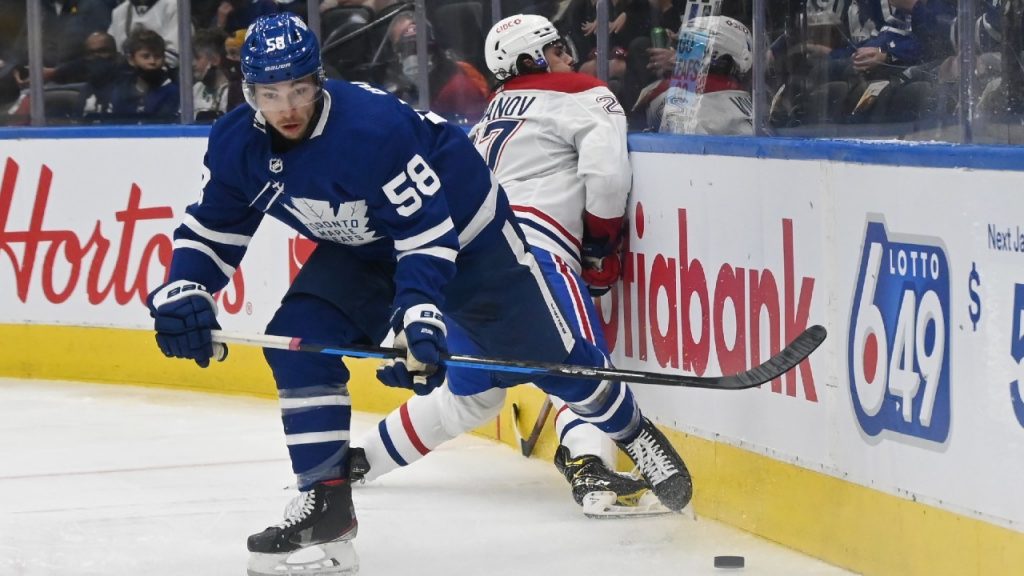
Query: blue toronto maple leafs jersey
(374,175)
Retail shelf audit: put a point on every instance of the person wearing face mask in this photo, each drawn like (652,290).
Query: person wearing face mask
(147,89)
(160,16)
(231,64)
(97,68)
(457,89)
(210,91)
(98,61)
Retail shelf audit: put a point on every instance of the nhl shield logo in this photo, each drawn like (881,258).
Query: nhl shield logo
(276,165)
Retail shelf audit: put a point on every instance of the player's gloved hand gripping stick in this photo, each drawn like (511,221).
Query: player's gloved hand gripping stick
(184,313)
(797,351)
(421,333)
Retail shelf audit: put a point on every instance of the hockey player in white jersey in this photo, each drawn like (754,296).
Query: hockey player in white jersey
(556,140)
(725,106)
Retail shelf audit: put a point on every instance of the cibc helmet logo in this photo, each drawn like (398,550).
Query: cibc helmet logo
(510,24)
(898,357)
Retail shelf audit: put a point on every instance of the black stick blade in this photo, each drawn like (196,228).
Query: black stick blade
(787,359)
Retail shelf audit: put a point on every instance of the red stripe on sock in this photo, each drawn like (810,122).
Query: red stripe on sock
(410,431)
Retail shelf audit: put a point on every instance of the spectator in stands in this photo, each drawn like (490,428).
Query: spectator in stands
(878,79)
(96,68)
(234,15)
(65,26)
(160,16)
(457,89)
(647,63)
(148,89)
(546,8)
(103,72)
(97,60)
(627,20)
(326,5)
(1002,88)
(233,68)
(233,45)
(209,64)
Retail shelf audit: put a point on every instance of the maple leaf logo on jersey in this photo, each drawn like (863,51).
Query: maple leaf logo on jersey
(347,225)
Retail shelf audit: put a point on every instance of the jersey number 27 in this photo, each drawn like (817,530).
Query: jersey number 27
(494,135)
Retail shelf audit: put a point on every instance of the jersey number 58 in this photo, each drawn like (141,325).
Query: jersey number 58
(407,198)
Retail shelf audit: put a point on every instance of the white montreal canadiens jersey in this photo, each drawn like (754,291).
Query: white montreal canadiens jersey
(723,113)
(557,143)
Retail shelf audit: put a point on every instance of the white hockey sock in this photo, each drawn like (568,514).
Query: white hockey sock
(422,424)
(580,437)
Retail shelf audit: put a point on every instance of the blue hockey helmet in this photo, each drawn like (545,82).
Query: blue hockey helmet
(279,47)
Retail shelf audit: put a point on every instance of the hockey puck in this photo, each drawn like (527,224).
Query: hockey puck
(729,562)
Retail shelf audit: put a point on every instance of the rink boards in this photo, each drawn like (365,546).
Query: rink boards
(894,450)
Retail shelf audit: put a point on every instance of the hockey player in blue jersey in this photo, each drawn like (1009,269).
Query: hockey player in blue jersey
(414,235)
(556,141)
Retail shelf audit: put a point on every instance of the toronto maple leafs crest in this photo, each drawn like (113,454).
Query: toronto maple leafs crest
(348,225)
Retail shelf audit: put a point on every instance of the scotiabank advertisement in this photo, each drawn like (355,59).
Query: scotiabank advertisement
(86,232)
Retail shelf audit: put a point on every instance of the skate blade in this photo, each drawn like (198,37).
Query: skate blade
(328,559)
(603,505)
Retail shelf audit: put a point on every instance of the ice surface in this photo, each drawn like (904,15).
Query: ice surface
(120,480)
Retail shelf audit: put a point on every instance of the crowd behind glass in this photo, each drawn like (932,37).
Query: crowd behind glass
(834,68)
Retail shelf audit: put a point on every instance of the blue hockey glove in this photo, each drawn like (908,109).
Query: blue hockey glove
(420,331)
(184,313)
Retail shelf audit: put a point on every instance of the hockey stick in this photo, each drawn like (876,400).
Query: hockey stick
(526,445)
(798,350)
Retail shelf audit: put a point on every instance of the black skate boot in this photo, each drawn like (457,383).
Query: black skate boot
(660,465)
(587,474)
(323,518)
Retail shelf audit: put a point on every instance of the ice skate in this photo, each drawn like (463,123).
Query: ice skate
(314,539)
(609,505)
(604,493)
(660,465)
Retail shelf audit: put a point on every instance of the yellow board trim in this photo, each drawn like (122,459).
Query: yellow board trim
(846,524)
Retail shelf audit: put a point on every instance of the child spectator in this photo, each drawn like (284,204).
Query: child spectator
(147,89)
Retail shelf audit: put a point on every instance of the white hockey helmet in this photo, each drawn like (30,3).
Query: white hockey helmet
(514,36)
(727,36)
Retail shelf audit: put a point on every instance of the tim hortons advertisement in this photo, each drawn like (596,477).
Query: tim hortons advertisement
(86,232)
